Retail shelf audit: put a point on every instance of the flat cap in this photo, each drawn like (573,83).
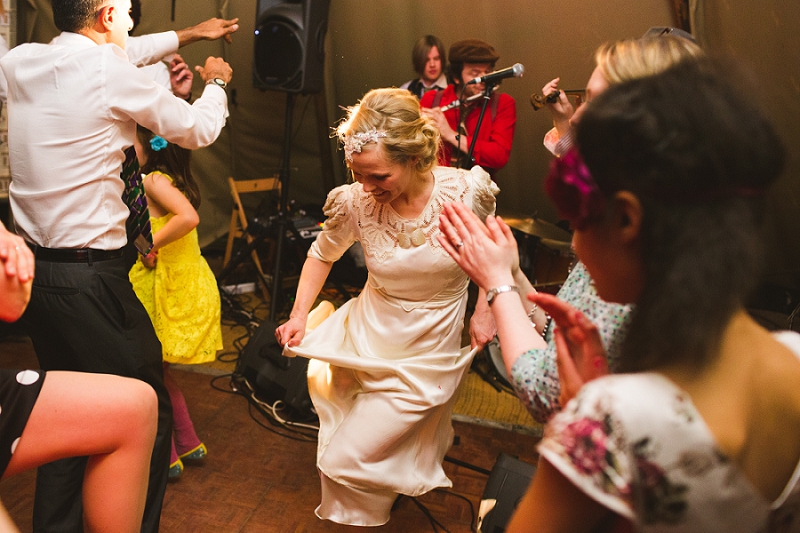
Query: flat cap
(657,31)
(472,51)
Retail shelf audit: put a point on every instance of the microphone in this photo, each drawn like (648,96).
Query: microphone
(510,72)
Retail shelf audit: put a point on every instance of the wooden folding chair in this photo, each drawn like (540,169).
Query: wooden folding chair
(238,227)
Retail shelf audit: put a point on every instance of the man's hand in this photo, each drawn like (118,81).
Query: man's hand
(180,77)
(482,328)
(209,30)
(215,67)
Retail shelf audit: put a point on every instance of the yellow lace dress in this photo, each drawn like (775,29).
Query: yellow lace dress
(181,296)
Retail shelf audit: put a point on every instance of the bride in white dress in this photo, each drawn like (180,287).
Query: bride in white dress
(386,365)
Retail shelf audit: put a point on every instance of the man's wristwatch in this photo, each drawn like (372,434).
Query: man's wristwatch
(492,294)
(217,81)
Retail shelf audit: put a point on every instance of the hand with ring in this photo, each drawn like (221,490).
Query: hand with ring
(488,253)
(16,257)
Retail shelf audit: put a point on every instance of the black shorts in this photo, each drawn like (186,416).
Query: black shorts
(19,390)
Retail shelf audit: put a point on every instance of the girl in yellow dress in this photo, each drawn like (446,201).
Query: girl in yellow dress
(174,282)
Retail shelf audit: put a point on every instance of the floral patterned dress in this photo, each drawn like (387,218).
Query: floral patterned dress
(386,365)
(637,445)
(534,375)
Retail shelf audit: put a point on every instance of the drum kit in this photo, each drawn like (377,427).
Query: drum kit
(546,257)
(545,250)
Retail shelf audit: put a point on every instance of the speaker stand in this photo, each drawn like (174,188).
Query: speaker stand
(282,222)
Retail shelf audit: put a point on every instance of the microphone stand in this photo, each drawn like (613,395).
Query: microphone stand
(488,88)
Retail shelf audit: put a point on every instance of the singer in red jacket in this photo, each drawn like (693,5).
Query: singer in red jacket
(469,59)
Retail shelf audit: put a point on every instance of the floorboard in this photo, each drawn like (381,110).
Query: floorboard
(256,480)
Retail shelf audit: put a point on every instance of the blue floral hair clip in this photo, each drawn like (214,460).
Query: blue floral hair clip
(158,143)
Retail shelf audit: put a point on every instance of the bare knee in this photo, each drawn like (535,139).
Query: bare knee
(138,406)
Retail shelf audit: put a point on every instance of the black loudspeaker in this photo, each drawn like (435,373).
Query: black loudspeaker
(507,484)
(289,45)
(272,376)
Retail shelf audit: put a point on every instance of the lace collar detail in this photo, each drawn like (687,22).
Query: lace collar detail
(383,231)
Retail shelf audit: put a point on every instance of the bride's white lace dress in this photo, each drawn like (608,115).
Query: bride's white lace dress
(385,366)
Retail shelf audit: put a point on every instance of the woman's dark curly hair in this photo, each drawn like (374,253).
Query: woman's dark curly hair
(699,155)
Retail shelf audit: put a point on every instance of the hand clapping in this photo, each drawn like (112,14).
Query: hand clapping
(581,356)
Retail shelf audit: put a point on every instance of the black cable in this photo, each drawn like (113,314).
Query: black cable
(467,465)
(271,411)
(433,521)
(472,521)
(250,407)
(232,356)
(218,388)
(239,390)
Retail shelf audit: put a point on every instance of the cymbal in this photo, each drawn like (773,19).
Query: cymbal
(536,227)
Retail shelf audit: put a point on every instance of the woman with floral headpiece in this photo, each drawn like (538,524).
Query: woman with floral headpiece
(700,430)
(534,373)
(385,366)
(174,282)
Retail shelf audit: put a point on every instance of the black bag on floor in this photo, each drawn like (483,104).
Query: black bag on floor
(272,376)
(507,484)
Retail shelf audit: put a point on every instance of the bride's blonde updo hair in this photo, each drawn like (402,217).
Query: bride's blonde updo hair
(392,118)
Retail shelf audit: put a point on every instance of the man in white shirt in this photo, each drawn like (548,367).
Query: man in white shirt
(73,106)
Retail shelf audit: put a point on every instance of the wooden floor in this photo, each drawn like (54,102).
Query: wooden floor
(256,480)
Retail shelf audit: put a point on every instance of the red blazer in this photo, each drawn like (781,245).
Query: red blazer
(493,147)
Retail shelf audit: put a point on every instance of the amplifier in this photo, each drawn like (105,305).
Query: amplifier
(507,484)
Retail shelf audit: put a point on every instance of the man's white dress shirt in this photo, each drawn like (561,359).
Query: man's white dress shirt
(152,52)
(73,109)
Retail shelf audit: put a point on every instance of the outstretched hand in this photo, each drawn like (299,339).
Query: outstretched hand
(580,354)
(208,30)
(487,253)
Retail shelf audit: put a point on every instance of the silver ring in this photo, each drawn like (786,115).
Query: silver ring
(459,244)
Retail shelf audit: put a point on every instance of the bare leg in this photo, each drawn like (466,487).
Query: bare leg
(6,524)
(109,418)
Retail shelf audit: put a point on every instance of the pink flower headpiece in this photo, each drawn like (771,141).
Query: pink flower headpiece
(573,190)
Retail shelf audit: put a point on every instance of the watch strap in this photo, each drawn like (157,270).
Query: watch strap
(492,294)
(218,82)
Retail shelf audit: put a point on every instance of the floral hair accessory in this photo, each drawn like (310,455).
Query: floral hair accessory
(354,141)
(573,190)
(158,143)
